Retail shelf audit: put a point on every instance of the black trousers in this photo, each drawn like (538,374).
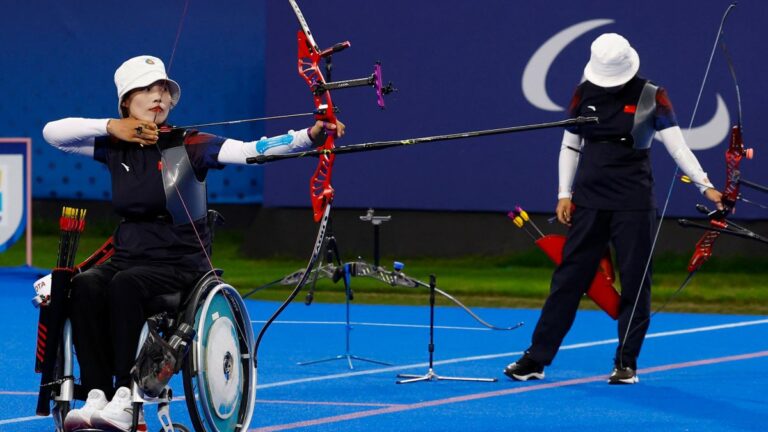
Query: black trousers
(107,315)
(631,234)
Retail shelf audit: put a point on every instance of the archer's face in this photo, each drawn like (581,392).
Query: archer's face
(151,103)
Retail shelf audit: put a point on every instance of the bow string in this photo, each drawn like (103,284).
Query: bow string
(703,248)
(736,152)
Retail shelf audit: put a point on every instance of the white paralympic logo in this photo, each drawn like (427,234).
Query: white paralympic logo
(534,86)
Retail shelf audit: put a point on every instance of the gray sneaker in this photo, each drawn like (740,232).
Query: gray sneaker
(623,375)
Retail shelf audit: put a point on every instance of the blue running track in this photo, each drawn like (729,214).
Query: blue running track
(697,372)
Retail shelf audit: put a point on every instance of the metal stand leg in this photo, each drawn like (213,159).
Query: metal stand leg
(431,375)
(347,329)
(376,221)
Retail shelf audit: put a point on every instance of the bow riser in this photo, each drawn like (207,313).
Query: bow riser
(320,184)
(733,157)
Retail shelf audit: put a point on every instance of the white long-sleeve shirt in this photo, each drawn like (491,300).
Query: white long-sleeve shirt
(671,137)
(78,135)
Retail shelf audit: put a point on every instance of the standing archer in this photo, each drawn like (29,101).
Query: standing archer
(163,243)
(606,198)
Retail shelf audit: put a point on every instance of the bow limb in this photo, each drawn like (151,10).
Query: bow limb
(391,278)
(474,315)
(316,251)
(398,278)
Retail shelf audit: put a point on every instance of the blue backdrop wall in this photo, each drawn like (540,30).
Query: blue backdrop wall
(459,65)
(58,60)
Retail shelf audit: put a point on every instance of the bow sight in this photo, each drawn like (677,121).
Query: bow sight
(375,81)
(320,86)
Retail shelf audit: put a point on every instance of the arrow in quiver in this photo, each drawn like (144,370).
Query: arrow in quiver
(53,311)
(601,291)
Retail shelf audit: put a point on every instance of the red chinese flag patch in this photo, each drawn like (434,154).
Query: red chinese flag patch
(630,109)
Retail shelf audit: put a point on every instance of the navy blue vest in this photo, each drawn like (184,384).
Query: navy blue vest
(157,196)
(614,171)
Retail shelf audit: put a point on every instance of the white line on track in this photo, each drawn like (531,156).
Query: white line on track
(507,354)
(442,362)
(22,419)
(495,393)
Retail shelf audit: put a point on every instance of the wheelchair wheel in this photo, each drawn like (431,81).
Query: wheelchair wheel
(219,374)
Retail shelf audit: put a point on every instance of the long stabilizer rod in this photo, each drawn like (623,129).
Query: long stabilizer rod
(380,145)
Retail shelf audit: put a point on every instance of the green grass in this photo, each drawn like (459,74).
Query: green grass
(522,280)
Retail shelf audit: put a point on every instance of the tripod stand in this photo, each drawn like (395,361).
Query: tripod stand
(431,375)
(332,254)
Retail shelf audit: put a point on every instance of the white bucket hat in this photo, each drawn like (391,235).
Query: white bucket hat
(613,61)
(140,72)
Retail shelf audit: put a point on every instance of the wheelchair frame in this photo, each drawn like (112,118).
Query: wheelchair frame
(196,370)
(210,294)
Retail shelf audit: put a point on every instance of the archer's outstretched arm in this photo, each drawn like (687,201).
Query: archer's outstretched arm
(236,152)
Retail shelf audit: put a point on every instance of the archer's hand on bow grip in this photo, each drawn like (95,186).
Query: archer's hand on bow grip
(322,128)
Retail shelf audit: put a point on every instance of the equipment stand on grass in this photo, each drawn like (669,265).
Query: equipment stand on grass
(332,249)
(431,375)
(376,221)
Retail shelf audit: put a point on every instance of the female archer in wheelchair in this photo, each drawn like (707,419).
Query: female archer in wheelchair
(162,245)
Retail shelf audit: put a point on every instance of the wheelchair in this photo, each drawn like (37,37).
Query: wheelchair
(218,369)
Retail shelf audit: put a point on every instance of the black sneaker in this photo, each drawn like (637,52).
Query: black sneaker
(623,375)
(524,369)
